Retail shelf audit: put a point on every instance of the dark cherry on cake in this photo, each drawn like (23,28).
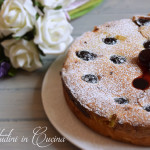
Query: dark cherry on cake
(143,21)
(140,83)
(144,58)
(147,44)
(86,55)
(90,78)
(147,108)
(143,82)
(121,100)
(110,41)
(116,59)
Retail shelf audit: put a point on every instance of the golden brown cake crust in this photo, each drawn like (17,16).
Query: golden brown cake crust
(137,135)
(94,103)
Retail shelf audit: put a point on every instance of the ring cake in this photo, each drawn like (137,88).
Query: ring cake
(106,79)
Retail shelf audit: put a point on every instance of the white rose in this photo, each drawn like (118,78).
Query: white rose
(55,3)
(17,16)
(53,32)
(22,54)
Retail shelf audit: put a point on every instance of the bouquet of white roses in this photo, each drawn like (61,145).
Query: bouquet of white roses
(30,28)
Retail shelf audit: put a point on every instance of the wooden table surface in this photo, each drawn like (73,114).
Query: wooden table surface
(20,97)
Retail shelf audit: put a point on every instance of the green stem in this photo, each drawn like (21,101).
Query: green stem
(84,9)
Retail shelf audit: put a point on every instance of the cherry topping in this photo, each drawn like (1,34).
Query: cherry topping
(147,45)
(89,78)
(142,21)
(85,55)
(140,83)
(110,41)
(144,58)
(143,82)
(116,59)
(121,100)
(147,108)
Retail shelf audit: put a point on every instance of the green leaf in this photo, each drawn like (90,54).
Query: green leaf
(12,72)
(40,51)
(38,4)
(1,3)
(37,16)
(58,7)
(17,38)
(78,12)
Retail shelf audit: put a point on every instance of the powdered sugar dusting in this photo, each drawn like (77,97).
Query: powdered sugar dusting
(115,80)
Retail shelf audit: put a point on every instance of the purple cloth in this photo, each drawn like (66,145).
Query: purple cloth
(4,68)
